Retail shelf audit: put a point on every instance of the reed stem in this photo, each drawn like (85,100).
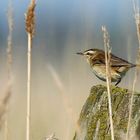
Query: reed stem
(28,117)
(9,66)
(137,21)
(30,28)
(108,76)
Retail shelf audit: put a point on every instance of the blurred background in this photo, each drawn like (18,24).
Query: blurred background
(61,80)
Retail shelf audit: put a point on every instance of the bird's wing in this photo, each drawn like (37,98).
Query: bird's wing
(114,61)
(98,59)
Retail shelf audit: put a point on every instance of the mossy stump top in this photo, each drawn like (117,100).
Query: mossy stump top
(93,123)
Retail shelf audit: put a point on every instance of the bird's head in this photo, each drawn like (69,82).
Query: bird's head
(91,53)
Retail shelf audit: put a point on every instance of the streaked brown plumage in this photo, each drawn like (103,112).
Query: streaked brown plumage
(96,59)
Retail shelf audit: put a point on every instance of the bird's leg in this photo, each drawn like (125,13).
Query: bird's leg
(118,82)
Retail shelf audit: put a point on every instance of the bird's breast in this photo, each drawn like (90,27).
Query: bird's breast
(100,72)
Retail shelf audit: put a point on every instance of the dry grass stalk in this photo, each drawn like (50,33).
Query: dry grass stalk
(9,48)
(63,91)
(30,28)
(137,21)
(68,108)
(9,64)
(108,76)
(3,106)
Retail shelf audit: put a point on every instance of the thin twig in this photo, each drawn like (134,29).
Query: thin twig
(30,27)
(137,21)
(108,76)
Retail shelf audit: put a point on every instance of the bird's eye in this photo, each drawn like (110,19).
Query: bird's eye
(88,53)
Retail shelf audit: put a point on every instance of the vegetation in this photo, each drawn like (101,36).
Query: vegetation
(110,113)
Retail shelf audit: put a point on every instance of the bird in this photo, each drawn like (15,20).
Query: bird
(96,60)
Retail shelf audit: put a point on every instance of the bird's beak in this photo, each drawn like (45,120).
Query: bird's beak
(80,53)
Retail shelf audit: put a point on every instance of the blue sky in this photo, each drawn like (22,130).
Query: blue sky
(57,19)
(63,27)
(106,12)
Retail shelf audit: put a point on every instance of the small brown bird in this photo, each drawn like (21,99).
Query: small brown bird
(96,59)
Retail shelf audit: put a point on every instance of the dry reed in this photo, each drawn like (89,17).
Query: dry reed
(63,91)
(137,21)
(3,105)
(30,29)
(68,108)
(9,64)
(108,76)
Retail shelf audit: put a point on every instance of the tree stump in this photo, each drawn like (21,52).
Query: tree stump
(94,124)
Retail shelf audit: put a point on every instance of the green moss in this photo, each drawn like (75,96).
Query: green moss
(96,110)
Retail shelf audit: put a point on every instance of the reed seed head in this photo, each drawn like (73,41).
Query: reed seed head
(30,18)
